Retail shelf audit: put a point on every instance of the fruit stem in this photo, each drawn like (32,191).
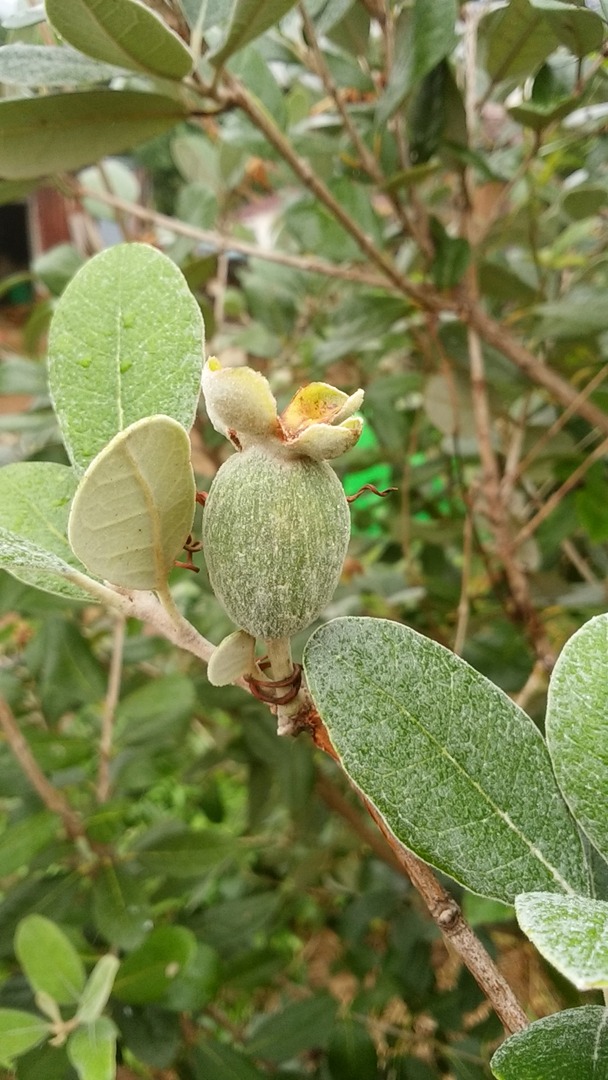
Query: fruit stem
(279,654)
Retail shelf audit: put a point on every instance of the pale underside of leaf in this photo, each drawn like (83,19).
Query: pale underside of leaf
(577,727)
(128,34)
(134,506)
(55,133)
(571,932)
(458,772)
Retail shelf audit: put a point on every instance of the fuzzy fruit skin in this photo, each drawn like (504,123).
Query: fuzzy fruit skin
(275,534)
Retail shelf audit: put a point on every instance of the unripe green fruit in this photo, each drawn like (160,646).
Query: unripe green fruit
(275,534)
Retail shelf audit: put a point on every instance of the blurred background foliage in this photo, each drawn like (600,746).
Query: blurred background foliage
(262,925)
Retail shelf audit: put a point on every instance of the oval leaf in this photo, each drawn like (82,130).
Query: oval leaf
(459,773)
(58,132)
(577,727)
(128,34)
(92,1050)
(94,997)
(571,932)
(249,19)
(19,1032)
(20,842)
(146,975)
(49,960)
(48,65)
(134,506)
(572,1044)
(126,342)
(35,499)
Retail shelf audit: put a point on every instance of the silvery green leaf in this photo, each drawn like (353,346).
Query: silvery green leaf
(577,727)
(126,342)
(35,499)
(571,932)
(458,772)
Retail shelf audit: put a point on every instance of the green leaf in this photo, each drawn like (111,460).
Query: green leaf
(92,1050)
(157,712)
(120,910)
(452,256)
(14,190)
(126,342)
(57,266)
(458,772)
(215,1061)
(19,842)
(66,672)
(19,1032)
(571,932)
(182,853)
(35,499)
(49,960)
(577,727)
(585,200)
(249,19)
(303,1025)
(579,29)
(113,176)
(196,983)
(48,65)
(94,997)
(570,1044)
(518,38)
(134,506)
(128,34)
(351,1052)
(580,313)
(423,40)
(59,132)
(146,975)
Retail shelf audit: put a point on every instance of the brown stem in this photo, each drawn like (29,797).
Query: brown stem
(335,800)
(368,160)
(53,799)
(426,298)
(223,244)
(447,915)
(442,907)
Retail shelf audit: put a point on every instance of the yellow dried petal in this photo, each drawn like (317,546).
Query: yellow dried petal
(238,399)
(323,442)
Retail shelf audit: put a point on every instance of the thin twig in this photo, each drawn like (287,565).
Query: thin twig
(368,160)
(424,297)
(554,500)
(225,244)
(52,798)
(109,709)
(464,603)
(560,421)
(442,907)
(335,800)
(447,915)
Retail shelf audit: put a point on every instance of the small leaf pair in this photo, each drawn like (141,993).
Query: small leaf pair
(125,358)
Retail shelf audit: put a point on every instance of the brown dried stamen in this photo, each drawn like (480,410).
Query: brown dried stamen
(264,690)
(374,490)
